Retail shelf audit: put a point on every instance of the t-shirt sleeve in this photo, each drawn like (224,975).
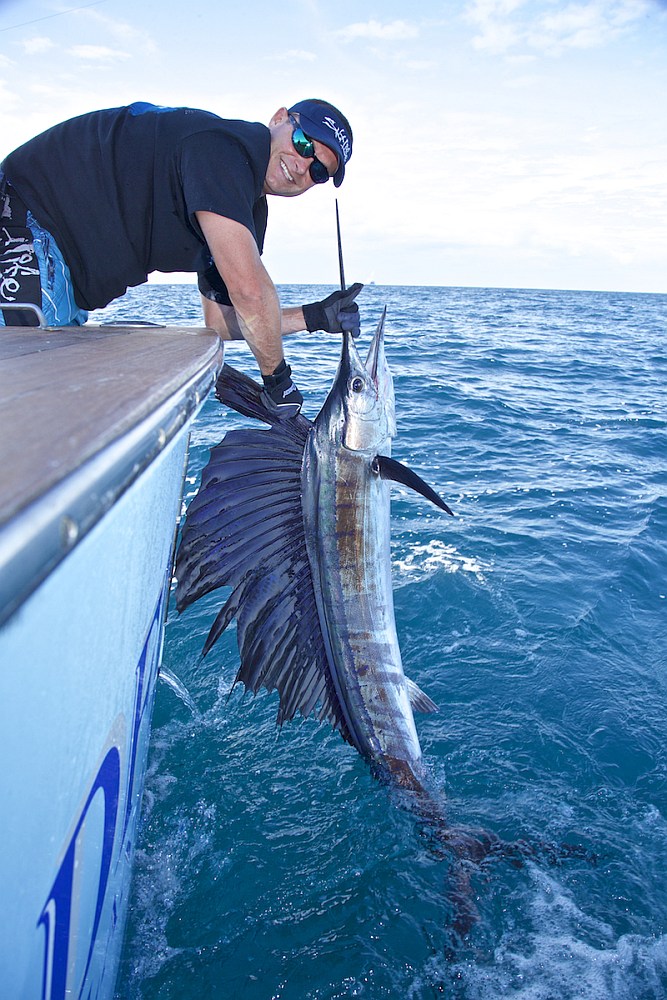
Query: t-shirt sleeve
(218,176)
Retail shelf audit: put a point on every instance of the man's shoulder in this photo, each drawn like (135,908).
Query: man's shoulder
(234,130)
(236,145)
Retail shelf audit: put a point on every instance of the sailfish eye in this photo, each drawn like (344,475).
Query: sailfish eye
(357,385)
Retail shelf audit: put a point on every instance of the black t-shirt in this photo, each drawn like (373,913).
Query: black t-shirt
(118,190)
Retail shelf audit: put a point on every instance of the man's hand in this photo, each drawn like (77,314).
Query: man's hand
(335,314)
(280,395)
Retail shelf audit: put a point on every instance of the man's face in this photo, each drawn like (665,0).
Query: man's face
(288,173)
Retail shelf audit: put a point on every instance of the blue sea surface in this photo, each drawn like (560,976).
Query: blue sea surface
(270,863)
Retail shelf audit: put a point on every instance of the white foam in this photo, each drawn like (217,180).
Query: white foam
(425,559)
(161,885)
(569,955)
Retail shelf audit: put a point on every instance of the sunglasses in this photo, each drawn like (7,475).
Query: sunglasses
(306,147)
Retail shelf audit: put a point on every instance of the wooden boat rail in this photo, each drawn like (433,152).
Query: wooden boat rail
(84,411)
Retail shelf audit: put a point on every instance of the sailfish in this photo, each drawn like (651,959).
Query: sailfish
(296,520)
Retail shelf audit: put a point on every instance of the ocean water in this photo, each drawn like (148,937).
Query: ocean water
(270,863)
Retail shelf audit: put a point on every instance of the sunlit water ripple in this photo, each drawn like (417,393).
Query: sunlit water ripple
(271,864)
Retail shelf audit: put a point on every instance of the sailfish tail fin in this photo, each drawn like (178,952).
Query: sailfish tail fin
(470,850)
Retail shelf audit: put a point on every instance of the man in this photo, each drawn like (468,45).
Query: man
(93,205)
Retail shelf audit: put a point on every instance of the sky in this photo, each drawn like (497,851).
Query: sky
(497,143)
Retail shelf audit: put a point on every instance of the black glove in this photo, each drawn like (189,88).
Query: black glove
(335,314)
(280,395)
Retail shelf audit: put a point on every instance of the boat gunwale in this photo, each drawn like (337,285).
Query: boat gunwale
(38,537)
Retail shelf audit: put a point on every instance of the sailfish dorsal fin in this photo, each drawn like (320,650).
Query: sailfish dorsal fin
(244,530)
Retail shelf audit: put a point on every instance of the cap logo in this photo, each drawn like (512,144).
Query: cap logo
(341,136)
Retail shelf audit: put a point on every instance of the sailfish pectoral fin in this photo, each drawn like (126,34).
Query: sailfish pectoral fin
(420,702)
(390,469)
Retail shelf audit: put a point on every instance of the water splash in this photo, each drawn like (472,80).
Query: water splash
(179,689)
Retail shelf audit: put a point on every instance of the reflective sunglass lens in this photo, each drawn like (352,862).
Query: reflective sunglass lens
(306,147)
(302,144)
(319,172)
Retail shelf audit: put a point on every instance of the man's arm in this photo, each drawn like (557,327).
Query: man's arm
(222,319)
(255,315)
(256,305)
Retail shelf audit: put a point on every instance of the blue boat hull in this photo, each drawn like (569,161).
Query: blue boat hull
(79,664)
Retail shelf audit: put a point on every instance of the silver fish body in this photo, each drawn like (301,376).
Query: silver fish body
(346,505)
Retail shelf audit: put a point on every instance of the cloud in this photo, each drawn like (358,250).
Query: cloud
(496,37)
(8,100)
(535,24)
(420,65)
(585,25)
(392,31)
(123,31)
(36,46)
(97,53)
(491,17)
(293,55)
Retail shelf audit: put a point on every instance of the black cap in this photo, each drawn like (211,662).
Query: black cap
(320,120)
